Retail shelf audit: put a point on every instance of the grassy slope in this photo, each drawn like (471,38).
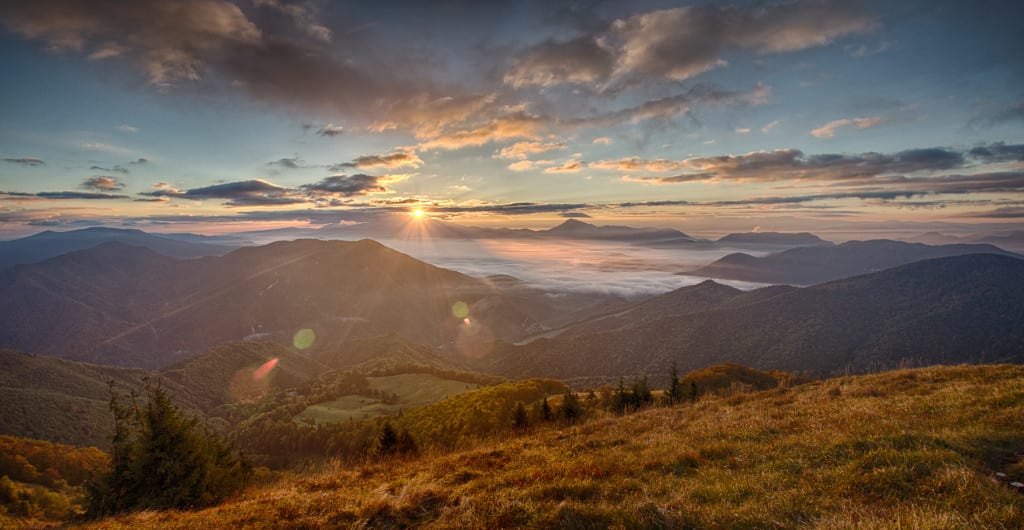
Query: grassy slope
(413,390)
(912,448)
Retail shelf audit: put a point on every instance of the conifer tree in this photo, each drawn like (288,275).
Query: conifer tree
(520,420)
(545,410)
(674,392)
(571,409)
(387,441)
(163,459)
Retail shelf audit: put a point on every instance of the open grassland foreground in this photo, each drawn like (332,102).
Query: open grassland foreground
(905,449)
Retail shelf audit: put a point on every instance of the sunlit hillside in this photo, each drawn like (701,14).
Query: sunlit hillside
(912,448)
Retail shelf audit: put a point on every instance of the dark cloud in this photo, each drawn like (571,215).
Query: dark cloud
(288,163)
(331,130)
(204,42)
(346,186)
(999,213)
(574,215)
(998,152)
(241,193)
(140,161)
(395,159)
(793,164)
(115,169)
(103,183)
(59,195)
(515,208)
(652,203)
(676,44)
(25,161)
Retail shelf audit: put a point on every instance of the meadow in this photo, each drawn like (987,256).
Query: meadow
(913,448)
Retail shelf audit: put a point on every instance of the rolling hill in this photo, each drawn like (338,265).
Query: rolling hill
(64,401)
(911,448)
(950,310)
(763,240)
(817,264)
(129,306)
(48,244)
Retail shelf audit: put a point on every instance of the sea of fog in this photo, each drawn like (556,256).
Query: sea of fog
(588,266)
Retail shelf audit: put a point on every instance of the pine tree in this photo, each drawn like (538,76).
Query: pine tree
(620,399)
(162,459)
(387,440)
(674,392)
(520,420)
(405,444)
(641,392)
(693,391)
(545,410)
(571,409)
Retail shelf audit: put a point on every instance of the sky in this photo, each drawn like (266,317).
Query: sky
(212,116)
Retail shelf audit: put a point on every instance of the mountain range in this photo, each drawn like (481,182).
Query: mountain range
(130,306)
(48,244)
(949,310)
(816,264)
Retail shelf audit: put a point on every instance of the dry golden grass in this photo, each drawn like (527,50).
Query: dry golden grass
(906,449)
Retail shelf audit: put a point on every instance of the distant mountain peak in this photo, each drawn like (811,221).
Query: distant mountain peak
(572,224)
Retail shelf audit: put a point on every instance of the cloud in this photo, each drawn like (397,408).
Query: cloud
(570,166)
(769,126)
(680,43)
(667,108)
(889,170)
(742,130)
(574,215)
(639,164)
(240,193)
(829,129)
(103,183)
(127,129)
(999,213)
(584,60)
(347,186)
(59,195)
(25,161)
(602,140)
(513,127)
(395,159)
(305,20)
(515,208)
(527,165)
(106,51)
(139,161)
(115,169)
(522,150)
(330,130)
(288,163)
(206,43)
(998,152)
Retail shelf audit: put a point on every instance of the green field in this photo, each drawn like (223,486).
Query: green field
(413,390)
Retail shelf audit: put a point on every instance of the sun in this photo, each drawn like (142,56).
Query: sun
(417,213)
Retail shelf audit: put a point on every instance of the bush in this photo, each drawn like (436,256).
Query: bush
(161,459)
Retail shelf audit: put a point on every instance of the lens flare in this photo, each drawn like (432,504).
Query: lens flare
(460,309)
(265,369)
(304,338)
